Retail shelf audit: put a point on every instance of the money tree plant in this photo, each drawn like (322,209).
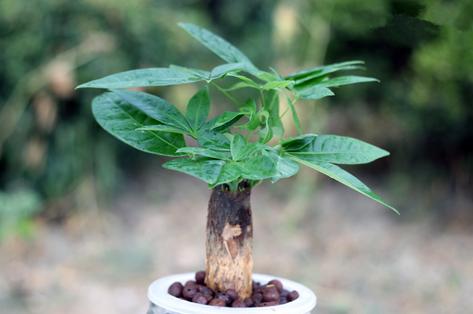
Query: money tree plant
(235,150)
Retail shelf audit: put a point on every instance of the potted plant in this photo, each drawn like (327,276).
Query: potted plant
(232,152)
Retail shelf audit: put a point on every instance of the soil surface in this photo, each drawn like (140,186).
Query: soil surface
(357,256)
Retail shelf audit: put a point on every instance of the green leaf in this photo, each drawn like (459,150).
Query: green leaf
(230,172)
(207,170)
(346,80)
(162,128)
(314,92)
(265,133)
(224,121)
(285,167)
(248,82)
(225,69)
(318,77)
(237,145)
(240,85)
(216,73)
(258,168)
(205,152)
(268,77)
(198,108)
(212,139)
(271,105)
(345,178)
(333,148)
(144,78)
(122,120)
(241,149)
(295,117)
(249,109)
(198,73)
(326,69)
(219,46)
(277,84)
(156,108)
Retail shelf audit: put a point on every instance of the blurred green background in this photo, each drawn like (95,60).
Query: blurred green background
(61,176)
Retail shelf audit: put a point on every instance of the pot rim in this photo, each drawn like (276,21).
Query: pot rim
(158,295)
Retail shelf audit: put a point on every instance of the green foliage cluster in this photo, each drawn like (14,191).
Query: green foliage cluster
(235,145)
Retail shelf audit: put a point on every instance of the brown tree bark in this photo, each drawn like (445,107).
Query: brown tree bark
(229,258)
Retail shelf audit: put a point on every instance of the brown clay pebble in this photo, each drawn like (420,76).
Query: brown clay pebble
(257,298)
(232,294)
(276,283)
(200,277)
(190,283)
(205,290)
(188,292)
(248,302)
(238,303)
(199,298)
(217,302)
(175,289)
(225,297)
(272,303)
(270,293)
(292,295)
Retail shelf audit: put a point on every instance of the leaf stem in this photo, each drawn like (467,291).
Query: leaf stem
(224,92)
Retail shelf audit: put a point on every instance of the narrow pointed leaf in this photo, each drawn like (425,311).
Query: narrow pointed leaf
(277,84)
(144,78)
(318,76)
(218,45)
(225,120)
(249,82)
(156,108)
(205,152)
(326,69)
(271,105)
(198,73)
(346,80)
(122,120)
(207,170)
(266,133)
(333,148)
(345,178)
(240,85)
(162,128)
(198,108)
(249,109)
(224,69)
(295,117)
(314,92)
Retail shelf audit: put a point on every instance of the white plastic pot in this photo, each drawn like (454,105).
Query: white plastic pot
(165,303)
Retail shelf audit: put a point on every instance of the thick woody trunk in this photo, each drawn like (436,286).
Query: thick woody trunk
(229,259)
